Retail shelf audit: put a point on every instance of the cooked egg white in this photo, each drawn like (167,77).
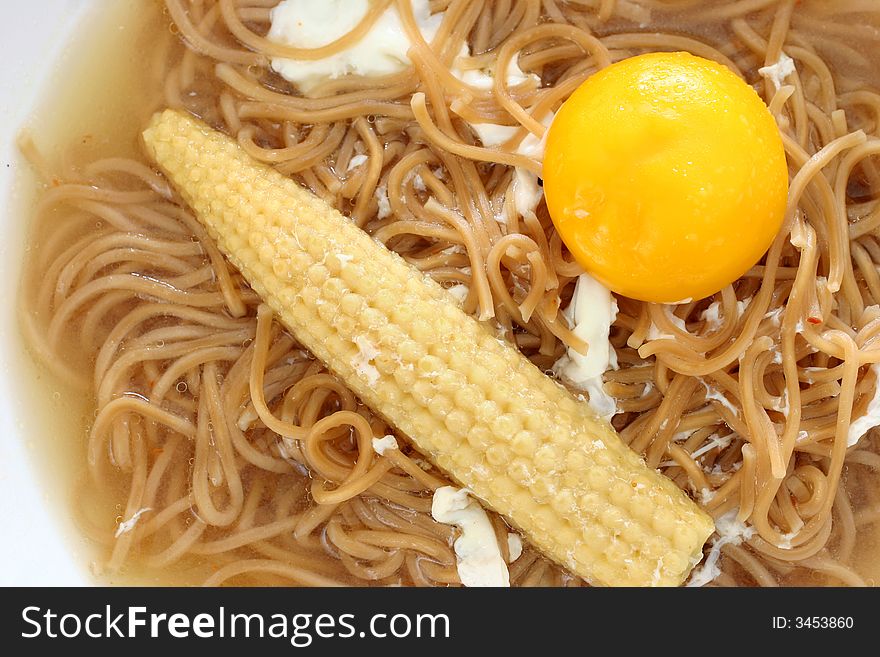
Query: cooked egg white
(356,161)
(591,313)
(315,23)
(363,361)
(478,556)
(712,393)
(778,72)
(871,418)
(514,547)
(654,332)
(527,193)
(484,78)
(383,444)
(127,525)
(730,531)
(459,292)
(493,135)
(383,204)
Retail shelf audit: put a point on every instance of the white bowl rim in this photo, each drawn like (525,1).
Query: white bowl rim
(42,549)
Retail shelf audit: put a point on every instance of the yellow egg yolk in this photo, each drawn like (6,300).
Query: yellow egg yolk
(665,176)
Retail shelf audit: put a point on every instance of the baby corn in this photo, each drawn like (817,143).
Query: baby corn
(470,402)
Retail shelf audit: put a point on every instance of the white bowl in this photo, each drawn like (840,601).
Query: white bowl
(41,547)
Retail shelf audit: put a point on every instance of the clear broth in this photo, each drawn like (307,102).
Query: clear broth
(85,117)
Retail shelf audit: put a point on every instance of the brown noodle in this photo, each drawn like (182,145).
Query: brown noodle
(250,457)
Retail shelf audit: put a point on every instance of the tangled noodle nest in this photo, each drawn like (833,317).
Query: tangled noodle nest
(231,452)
